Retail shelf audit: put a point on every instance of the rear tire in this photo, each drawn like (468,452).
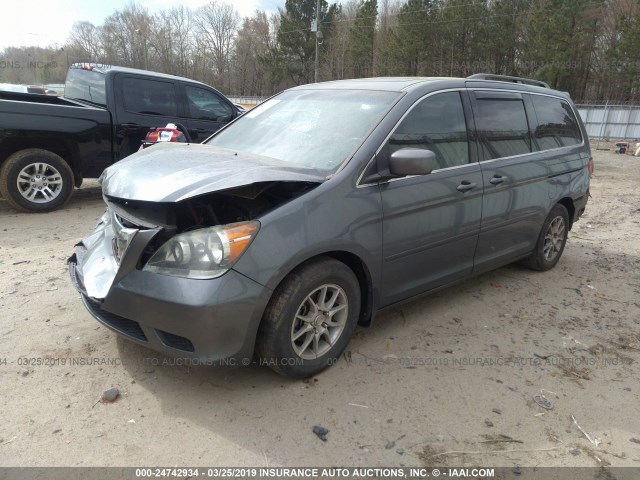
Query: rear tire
(551,242)
(36,180)
(310,319)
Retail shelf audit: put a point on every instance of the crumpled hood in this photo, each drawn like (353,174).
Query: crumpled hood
(170,172)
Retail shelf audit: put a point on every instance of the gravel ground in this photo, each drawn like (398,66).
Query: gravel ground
(447,380)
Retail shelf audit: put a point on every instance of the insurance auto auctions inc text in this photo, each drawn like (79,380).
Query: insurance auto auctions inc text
(374,472)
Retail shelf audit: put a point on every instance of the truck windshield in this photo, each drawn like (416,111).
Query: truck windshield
(84,84)
(308,128)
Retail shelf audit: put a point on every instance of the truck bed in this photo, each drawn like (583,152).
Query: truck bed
(37,98)
(79,133)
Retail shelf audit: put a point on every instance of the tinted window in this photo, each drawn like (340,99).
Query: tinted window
(501,125)
(557,125)
(149,97)
(437,123)
(206,105)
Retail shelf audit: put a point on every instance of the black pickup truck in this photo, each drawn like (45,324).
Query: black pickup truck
(49,144)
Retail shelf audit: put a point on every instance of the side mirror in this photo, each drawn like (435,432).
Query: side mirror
(411,161)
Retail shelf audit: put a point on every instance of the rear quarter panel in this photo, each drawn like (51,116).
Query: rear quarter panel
(82,135)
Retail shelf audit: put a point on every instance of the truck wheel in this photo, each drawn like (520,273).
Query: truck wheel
(310,319)
(35,180)
(551,242)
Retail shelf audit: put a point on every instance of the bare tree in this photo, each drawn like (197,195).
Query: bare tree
(182,32)
(217,25)
(387,22)
(127,37)
(251,45)
(336,60)
(84,42)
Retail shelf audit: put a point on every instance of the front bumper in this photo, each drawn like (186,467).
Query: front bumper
(213,321)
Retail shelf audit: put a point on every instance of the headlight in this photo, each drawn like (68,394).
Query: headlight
(203,253)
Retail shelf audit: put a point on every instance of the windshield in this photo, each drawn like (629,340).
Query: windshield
(308,128)
(86,85)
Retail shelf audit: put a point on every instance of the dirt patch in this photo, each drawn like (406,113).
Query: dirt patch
(447,380)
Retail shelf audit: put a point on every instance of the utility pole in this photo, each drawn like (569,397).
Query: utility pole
(317,35)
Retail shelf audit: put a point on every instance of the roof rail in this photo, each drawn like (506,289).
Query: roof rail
(507,78)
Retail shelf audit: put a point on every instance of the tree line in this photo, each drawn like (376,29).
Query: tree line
(589,48)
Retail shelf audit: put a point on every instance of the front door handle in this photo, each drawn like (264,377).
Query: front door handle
(465,186)
(497,179)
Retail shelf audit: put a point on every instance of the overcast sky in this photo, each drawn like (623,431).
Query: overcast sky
(43,23)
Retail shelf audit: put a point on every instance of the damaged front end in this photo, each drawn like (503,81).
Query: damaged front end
(160,273)
(202,237)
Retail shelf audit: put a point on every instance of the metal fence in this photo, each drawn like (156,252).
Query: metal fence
(244,100)
(611,122)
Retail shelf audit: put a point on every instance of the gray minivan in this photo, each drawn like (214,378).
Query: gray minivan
(325,204)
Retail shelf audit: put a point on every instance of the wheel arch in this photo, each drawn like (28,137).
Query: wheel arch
(362,273)
(64,149)
(567,203)
(368,297)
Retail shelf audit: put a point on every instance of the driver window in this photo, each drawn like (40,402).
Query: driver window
(436,123)
(149,97)
(206,105)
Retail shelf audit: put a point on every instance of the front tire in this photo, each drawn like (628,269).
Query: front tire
(551,242)
(36,180)
(310,319)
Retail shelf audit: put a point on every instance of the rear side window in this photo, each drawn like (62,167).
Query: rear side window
(557,125)
(149,97)
(501,125)
(437,123)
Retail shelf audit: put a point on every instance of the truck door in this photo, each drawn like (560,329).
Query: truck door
(145,103)
(207,112)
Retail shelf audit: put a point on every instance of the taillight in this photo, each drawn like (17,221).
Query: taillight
(590,167)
